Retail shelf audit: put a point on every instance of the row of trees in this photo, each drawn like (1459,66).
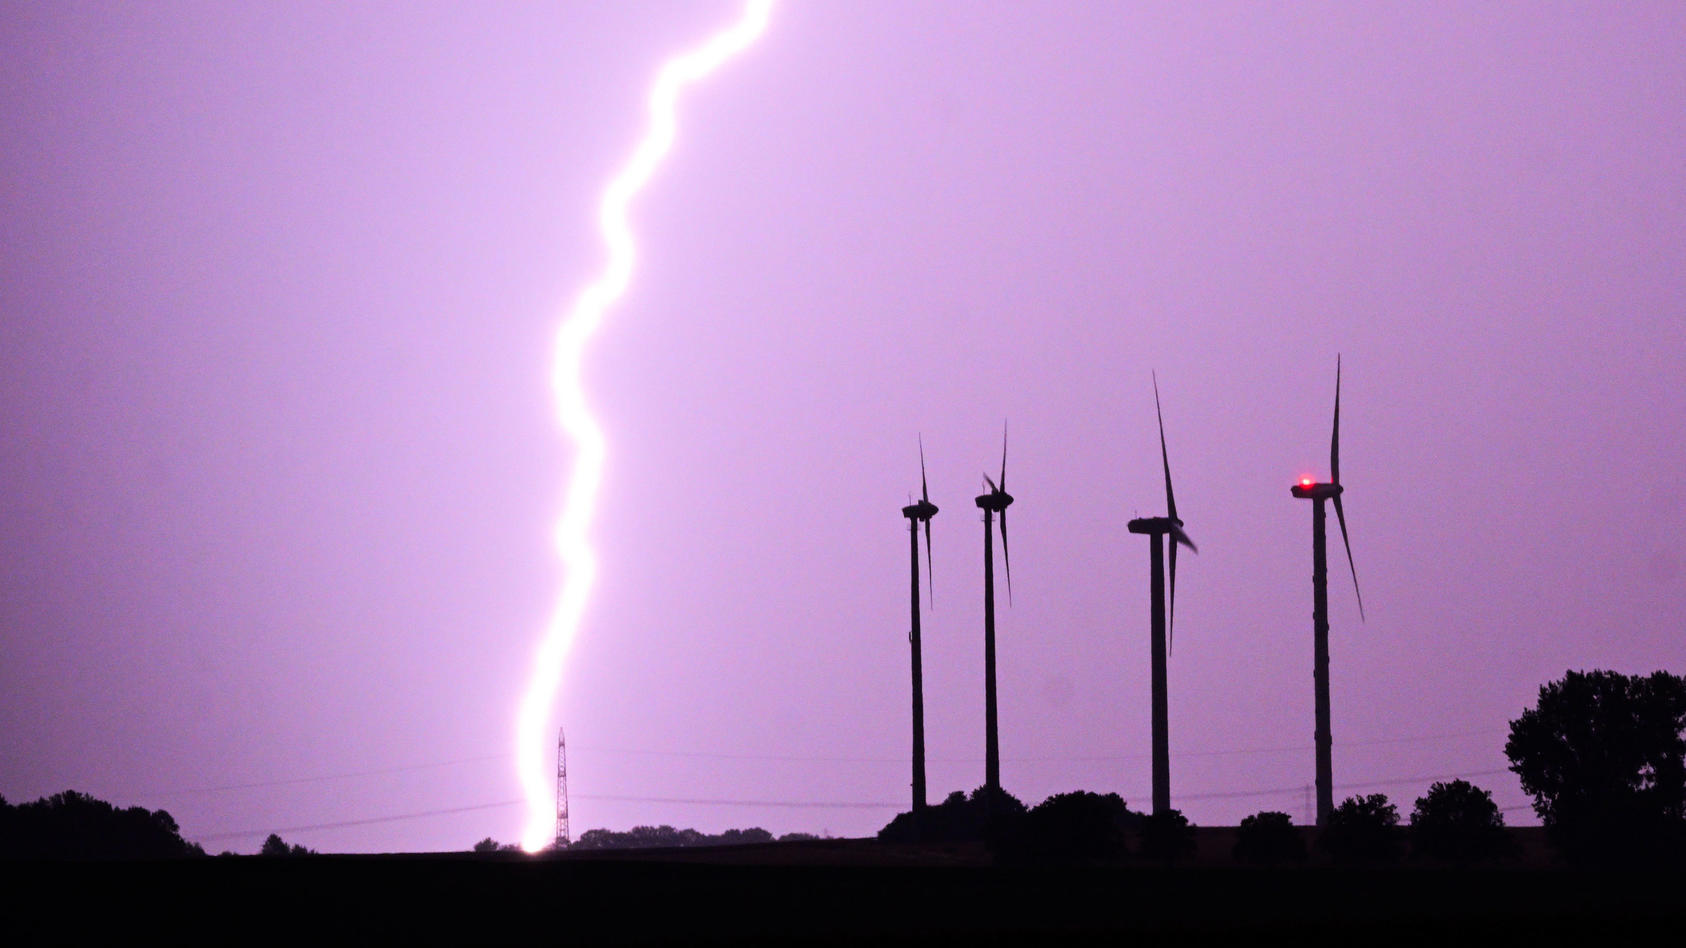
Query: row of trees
(1068,826)
(1603,754)
(666,837)
(656,837)
(1455,822)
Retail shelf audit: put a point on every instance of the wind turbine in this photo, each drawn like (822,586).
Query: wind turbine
(995,502)
(1309,489)
(1155,527)
(916,514)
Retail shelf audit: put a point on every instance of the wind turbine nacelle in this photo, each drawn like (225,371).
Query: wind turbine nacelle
(1152,525)
(996,501)
(923,510)
(1308,489)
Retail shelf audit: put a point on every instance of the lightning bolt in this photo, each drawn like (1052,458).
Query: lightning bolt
(571,536)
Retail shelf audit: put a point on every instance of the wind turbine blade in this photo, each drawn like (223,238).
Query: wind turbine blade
(1165,455)
(930,585)
(1340,515)
(1006,557)
(1171,619)
(924,490)
(992,488)
(1335,439)
(1003,455)
(1178,535)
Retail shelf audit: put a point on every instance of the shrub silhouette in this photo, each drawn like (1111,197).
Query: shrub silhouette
(1604,756)
(1269,838)
(1166,836)
(1458,822)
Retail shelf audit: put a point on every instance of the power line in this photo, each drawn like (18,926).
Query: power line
(342,824)
(795,804)
(1452,776)
(1252,750)
(1093,758)
(420,814)
(807,804)
(714,755)
(1363,785)
(318,778)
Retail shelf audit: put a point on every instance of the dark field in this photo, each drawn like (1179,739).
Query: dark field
(829,891)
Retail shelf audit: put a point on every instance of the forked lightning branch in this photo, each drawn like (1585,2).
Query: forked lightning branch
(572,535)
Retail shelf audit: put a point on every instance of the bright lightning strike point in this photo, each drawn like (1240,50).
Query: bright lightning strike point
(572,529)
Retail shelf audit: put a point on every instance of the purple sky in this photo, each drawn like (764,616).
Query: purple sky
(278,470)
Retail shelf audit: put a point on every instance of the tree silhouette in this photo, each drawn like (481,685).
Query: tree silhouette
(1362,830)
(490,845)
(73,825)
(1458,822)
(985,815)
(1167,836)
(1604,756)
(1073,827)
(275,846)
(1268,839)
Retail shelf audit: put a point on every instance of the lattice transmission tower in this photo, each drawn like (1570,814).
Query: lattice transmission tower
(562,838)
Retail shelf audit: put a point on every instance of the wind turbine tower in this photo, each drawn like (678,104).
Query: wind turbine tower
(1309,489)
(916,514)
(994,503)
(1154,528)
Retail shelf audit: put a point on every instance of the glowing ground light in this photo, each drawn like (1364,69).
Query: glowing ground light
(572,540)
